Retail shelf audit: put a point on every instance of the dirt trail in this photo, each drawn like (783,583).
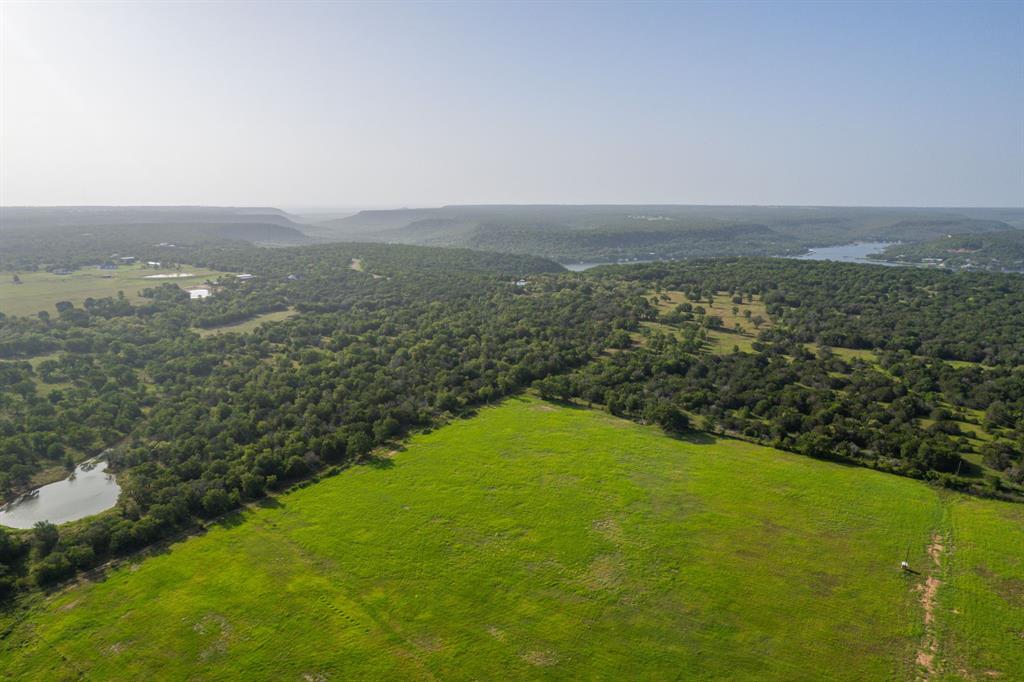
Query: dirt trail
(927,651)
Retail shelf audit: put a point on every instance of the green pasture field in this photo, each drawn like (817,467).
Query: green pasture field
(848,354)
(248,325)
(536,541)
(42,290)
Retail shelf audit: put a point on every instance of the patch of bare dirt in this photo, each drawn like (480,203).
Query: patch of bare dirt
(927,652)
(609,528)
(70,605)
(603,573)
(541,659)
(928,592)
(496,633)
(428,643)
(935,549)
(116,648)
(214,624)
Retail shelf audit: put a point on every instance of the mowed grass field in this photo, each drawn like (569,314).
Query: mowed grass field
(538,541)
(42,290)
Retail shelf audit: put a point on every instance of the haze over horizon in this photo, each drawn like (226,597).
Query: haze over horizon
(326,106)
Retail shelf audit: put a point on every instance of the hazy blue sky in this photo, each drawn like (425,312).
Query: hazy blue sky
(332,104)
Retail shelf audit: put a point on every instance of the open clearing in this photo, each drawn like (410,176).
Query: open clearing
(42,290)
(539,541)
(737,329)
(248,325)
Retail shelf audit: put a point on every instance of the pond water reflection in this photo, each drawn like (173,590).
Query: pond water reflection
(87,491)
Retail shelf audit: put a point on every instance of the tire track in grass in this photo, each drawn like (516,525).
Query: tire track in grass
(927,652)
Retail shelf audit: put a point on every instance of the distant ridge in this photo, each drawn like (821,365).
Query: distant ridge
(606,233)
(76,236)
(16,217)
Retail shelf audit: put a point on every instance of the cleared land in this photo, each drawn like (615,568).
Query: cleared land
(537,541)
(737,329)
(42,290)
(248,325)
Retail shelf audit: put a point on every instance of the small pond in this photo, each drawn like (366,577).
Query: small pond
(87,491)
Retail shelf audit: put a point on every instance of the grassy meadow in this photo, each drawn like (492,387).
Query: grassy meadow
(248,325)
(539,541)
(42,290)
(737,330)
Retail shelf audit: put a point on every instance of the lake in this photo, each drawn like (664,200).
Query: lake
(89,490)
(580,267)
(857,252)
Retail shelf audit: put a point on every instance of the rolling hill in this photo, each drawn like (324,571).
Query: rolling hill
(76,236)
(610,233)
(22,217)
(991,250)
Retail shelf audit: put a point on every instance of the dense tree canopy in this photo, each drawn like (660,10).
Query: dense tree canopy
(387,339)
